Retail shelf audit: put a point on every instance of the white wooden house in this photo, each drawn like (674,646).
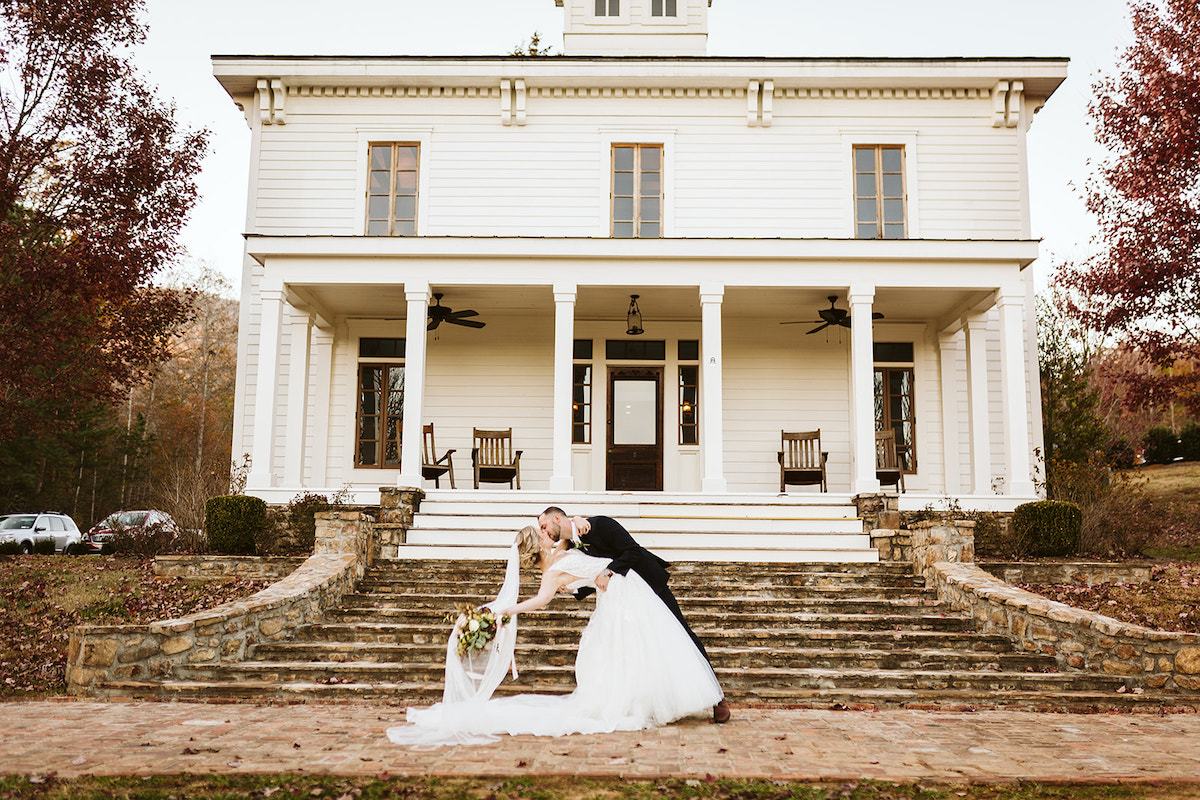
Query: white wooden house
(728,195)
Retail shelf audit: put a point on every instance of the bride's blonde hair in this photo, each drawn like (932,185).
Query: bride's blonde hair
(529,547)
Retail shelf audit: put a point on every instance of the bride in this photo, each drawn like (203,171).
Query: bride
(636,666)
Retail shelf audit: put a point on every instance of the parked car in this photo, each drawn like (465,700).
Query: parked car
(99,538)
(27,529)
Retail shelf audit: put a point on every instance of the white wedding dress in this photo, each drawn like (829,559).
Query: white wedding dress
(636,668)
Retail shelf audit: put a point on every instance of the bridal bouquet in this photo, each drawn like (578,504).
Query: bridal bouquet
(476,628)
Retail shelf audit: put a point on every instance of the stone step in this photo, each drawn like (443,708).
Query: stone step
(895,618)
(399,695)
(409,657)
(568,634)
(689,604)
(856,551)
(494,568)
(738,682)
(717,589)
(647,528)
(441,581)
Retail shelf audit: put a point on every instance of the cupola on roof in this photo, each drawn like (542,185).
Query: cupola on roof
(635,27)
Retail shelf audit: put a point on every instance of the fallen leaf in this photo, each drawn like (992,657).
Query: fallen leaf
(78,761)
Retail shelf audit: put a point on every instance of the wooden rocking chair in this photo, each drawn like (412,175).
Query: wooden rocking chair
(888,469)
(494,459)
(434,467)
(801,461)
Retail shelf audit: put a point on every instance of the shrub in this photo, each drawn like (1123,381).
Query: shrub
(1162,445)
(145,541)
(235,523)
(1048,527)
(301,518)
(10,548)
(1189,442)
(1079,482)
(43,547)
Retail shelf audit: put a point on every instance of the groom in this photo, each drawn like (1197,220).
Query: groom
(606,538)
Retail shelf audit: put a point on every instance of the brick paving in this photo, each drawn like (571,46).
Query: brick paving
(86,738)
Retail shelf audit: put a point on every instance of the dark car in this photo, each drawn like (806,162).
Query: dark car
(99,538)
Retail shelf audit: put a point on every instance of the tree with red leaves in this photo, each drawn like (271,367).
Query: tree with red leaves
(96,181)
(1142,288)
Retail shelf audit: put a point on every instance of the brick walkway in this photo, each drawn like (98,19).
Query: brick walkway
(82,738)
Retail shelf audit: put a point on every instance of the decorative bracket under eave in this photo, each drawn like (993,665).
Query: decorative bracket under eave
(760,97)
(512,102)
(272,101)
(1006,104)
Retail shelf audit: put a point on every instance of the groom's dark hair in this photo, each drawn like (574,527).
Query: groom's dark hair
(551,511)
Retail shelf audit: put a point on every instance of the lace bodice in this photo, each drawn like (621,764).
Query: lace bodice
(584,567)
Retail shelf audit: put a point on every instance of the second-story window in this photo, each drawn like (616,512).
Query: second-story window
(879,192)
(608,8)
(392,190)
(637,191)
(663,8)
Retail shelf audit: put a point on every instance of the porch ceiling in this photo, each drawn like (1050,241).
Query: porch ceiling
(666,304)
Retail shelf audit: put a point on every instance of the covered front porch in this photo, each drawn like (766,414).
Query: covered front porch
(712,381)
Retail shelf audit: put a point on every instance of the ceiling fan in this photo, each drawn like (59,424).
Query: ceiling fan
(830,316)
(439,313)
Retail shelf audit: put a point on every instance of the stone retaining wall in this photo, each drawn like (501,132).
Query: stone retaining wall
(226,568)
(1079,640)
(1050,572)
(115,653)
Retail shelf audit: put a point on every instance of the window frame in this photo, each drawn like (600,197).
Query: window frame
(413,136)
(906,451)
(888,137)
(383,417)
(638,196)
(582,401)
(879,196)
(686,425)
(665,5)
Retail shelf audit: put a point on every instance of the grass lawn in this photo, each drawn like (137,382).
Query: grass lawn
(43,597)
(1176,488)
(210,787)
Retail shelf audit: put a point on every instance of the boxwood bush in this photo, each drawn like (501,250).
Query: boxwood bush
(10,548)
(234,523)
(1189,442)
(1048,528)
(1162,445)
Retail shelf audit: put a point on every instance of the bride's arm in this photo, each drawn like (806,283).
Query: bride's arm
(551,582)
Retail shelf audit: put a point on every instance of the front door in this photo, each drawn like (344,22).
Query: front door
(635,424)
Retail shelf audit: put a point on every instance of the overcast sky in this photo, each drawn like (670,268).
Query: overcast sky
(184,35)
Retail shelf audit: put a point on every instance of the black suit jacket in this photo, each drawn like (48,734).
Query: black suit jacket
(609,539)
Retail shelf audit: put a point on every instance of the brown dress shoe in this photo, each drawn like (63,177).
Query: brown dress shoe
(721,712)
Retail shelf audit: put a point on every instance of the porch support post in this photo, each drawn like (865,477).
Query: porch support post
(950,455)
(416,293)
(712,388)
(322,369)
(266,385)
(977,380)
(862,391)
(296,438)
(1018,453)
(561,479)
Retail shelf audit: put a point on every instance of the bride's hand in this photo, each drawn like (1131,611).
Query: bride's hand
(582,526)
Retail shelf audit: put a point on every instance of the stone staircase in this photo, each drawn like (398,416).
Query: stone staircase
(820,635)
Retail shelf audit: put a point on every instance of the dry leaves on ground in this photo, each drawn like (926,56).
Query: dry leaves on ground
(1169,601)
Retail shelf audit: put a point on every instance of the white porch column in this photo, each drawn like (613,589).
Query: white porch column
(322,371)
(1018,453)
(561,479)
(266,385)
(946,372)
(862,391)
(977,383)
(416,293)
(712,407)
(295,443)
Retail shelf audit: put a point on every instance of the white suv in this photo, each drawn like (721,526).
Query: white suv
(29,528)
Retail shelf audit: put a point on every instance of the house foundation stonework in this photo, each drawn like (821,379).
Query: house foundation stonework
(644,261)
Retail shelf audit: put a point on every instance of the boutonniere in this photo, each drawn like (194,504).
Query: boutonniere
(578,544)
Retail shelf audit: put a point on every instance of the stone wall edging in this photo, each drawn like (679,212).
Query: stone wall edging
(1079,640)
(222,568)
(116,653)
(1090,573)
